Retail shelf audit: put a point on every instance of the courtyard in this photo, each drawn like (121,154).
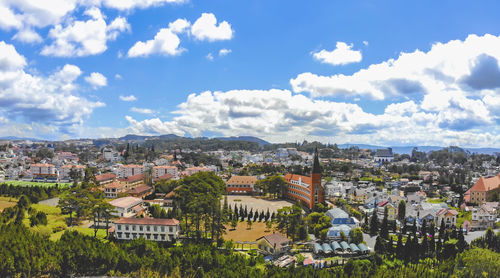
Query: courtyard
(257,203)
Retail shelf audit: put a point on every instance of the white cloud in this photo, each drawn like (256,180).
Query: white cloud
(210,57)
(44,100)
(142,110)
(166,41)
(455,66)
(206,28)
(27,36)
(84,38)
(128,98)
(97,80)
(365,43)
(142,4)
(343,54)
(224,52)
(118,76)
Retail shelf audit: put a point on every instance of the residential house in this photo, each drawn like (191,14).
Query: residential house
(273,244)
(111,190)
(448,215)
(484,216)
(140,191)
(43,171)
(391,211)
(148,228)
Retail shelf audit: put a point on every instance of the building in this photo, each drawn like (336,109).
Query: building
(306,189)
(140,191)
(484,217)
(134,180)
(240,184)
(148,228)
(159,171)
(340,217)
(273,244)
(105,178)
(43,170)
(127,206)
(391,211)
(111,190)
(110,155)
(383,155)
(193,170)
(130,170)
(449,216)
(484,188)
(66,170)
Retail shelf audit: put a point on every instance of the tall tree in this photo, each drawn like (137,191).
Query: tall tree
(401,210)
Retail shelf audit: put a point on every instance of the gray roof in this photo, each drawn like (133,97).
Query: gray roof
(336,246)
(363,247)
(384,153)
(345,246)
(326,248)
(336,213)
(354,247)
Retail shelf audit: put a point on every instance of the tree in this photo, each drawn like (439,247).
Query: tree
(400,247)
(442,229)
(374,223)
(249,224)
(269,225)
(234,223)
(379,245)
(384,230)
(401,210)
(357,235)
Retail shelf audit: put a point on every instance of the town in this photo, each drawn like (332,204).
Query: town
(291,204)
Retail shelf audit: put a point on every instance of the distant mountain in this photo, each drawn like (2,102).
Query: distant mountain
(14,138)
(246,139)
(167,137)
(409,149)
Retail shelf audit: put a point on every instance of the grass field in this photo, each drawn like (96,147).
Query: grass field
(7,202)
(243,234)
(31,183)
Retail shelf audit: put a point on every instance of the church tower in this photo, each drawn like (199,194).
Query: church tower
(317,190)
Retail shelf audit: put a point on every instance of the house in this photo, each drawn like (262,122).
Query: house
(127,206)
(384,155)
(140,191)
(148,228)
(484,216)
(240,184)
(391,211)
(273,244)
(134,180)
(306,189)
(484,188)
(125,171)
(43,170)
(449,216)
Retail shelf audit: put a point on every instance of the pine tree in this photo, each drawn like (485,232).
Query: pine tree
(401,210)
(442,229)
(384,230)
(379,246)
(400,247)
(374,223)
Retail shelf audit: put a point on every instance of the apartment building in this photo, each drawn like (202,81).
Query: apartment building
(159,171)
(65,171)
(130,170)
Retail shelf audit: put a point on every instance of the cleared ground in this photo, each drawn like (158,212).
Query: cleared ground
(257,203)
(7,202)
(242,233)
(32,183)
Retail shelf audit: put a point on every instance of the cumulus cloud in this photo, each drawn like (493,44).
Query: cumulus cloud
(142,110)
(128,98)
(142,4)
(343,54)
(452,66)
(224,52)
(206,28)
(97,80)
(166,41)
(84,38)
(27,36)
(45,100)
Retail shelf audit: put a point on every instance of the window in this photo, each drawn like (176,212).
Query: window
(133,228)
(126,227)
(162,229)
(162,237)
(119,227)
(155,228)
(170,229)
(140,228)
(147,228)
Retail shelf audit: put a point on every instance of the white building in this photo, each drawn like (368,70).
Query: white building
(66,169)
(384,155)
(484,216)
(449,216)
(43,170)
(110,155)
(126,206)
(159,171)
(148,228)
(130,170)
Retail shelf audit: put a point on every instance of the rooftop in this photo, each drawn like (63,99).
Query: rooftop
(125,202)
(148,221)
(242,180)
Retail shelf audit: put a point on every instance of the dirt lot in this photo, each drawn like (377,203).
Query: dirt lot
(6,202)
(243,234)
(257,203)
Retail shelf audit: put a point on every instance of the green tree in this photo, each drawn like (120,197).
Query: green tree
(357,235)
(401,210)
(374,223)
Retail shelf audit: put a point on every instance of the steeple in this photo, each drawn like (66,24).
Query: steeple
(316,169)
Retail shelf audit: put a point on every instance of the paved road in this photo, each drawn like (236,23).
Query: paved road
(370,241)
(469,237)
(51,202)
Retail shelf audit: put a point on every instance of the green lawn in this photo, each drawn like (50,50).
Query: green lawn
(436,201)
(42,184)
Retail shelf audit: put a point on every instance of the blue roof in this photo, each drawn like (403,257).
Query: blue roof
(345,246)
(336,213)
(326,248)
(317,248)
(363,247)
(336,246)
(354,247)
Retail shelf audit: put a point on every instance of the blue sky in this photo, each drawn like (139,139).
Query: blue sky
(377,72)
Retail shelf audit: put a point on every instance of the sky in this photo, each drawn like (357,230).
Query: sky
(388,73)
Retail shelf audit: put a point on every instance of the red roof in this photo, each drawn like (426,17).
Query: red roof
(148,221)
(134,178)
(105,177)
(305,179)
(164,177)
(140,189)
(114,185)
(486,184)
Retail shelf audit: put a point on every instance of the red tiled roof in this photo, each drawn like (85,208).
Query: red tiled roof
(134,178)
(139,189)
(164,177)
(114,185)
(148,221)
(486,184)
(305,179)
(105,177)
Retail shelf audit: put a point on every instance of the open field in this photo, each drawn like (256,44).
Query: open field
(257,203)
(243,234)
(7,202)
(32,183)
